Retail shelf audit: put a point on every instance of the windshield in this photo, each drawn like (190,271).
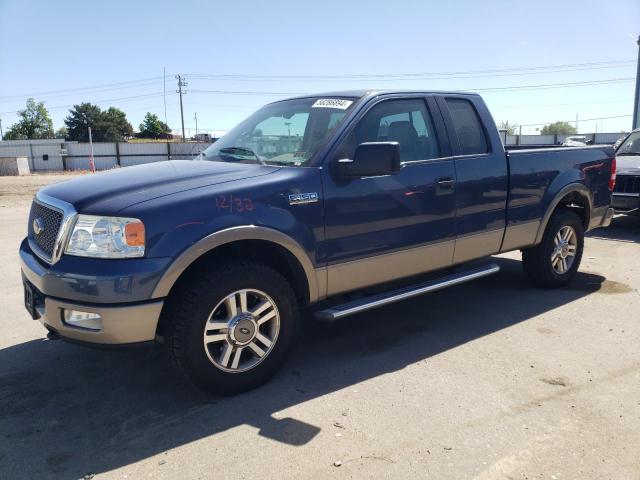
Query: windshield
(631,146)
(282,133)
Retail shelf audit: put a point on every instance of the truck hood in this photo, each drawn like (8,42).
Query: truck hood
(628,165)
(106,193)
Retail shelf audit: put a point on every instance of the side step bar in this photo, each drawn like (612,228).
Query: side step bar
(374,301)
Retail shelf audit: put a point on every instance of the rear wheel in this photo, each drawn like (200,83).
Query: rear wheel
(232,328)
(555,261)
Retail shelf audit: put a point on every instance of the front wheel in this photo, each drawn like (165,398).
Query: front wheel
(555,261)
(232,328)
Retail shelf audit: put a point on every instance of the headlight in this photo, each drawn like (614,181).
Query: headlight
(106,237)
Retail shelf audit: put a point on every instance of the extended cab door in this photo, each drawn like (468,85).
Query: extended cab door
(482,176)
(387,227)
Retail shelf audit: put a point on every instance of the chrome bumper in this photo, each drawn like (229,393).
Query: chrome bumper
(625,202)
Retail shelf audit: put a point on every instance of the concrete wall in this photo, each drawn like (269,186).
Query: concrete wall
(14,166)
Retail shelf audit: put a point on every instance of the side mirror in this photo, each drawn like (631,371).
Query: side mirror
(371,159)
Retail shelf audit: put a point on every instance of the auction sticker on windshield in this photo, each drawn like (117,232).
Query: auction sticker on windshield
(338,103)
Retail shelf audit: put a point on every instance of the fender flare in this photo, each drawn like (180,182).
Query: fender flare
(571,188)
(228,235)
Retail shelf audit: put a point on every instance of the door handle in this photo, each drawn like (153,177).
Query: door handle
(445,181)
(444,185)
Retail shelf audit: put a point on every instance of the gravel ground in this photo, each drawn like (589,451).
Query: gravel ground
(488,380)
(15,191)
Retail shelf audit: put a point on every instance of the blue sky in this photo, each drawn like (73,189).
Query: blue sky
(113,53)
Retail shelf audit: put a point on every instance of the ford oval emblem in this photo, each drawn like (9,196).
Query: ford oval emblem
(244,330)
(38,226)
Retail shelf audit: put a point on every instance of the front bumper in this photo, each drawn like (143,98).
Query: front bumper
(121,325)
(121,295)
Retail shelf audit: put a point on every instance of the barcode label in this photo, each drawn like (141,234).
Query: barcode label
(338,103)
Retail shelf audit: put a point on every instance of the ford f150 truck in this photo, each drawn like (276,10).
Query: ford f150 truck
(626,195)
(306,200)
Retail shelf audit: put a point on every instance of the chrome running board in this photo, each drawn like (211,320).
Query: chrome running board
(375,301)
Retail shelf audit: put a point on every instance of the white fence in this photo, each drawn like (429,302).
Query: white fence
(47,155)
(596,138)
(59,155)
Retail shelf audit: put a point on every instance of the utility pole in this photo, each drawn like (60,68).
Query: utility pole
(164,93)
(92,165)
(195,117)
(1,134)
(636,105)
(576,122)
(181,83)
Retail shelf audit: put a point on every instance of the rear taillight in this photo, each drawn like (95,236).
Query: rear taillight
(612,178)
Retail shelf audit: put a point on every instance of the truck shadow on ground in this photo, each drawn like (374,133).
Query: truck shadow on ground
(70,411)
(623,228)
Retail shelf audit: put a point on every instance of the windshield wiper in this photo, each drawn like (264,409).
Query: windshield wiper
(628,153)
(241,150)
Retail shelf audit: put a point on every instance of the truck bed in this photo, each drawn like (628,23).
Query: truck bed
(537,177)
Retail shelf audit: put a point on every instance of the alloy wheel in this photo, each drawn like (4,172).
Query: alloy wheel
(241,330)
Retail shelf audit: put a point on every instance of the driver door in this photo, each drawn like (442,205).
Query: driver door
(383,228)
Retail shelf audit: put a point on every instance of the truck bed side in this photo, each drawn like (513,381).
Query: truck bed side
(542,179)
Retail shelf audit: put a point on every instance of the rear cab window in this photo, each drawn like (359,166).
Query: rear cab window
(468,127)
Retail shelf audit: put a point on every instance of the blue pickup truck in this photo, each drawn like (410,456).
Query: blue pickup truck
(305,201)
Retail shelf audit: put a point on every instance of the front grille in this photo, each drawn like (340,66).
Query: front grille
(50,220)
(627,184)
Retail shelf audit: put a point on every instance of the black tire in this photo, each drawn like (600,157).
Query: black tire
(191,306)
(537,262)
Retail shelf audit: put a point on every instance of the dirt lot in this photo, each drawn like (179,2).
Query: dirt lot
(492,379)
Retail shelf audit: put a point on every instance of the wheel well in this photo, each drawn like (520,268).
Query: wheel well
(269,253)
(577,203)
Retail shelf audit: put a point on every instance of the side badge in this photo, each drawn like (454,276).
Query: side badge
(301,198)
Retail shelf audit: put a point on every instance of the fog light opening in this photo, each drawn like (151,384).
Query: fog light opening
(85,320)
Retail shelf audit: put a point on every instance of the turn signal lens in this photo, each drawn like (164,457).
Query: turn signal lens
(134,234)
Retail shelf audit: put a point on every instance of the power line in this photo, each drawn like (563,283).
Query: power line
(490,72)
(244,92)
(550,105)
(573,120)
(543,86)
(518,70)
(106,86)
(112,100)
(401,79)
(91,92)
(488,89)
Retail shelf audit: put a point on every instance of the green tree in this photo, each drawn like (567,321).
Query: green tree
(113,125)
(34,123)
(62,132)
(152,127)
(559,128)
(80,118)
(110,125)
(511,128)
